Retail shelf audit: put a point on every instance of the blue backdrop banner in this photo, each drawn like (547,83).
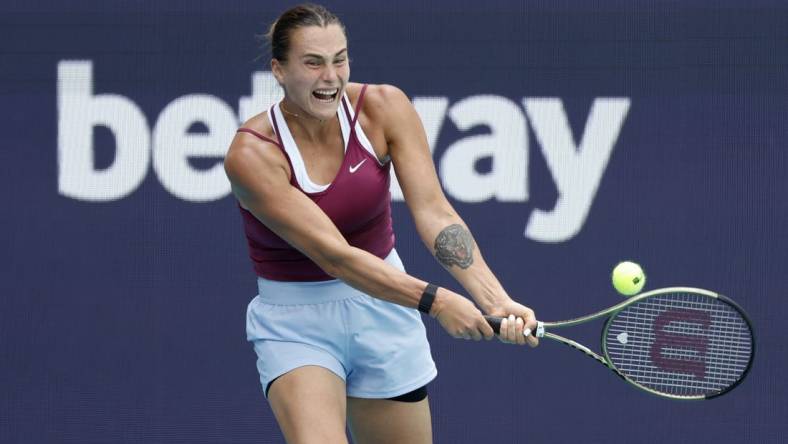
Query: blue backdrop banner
(569,135)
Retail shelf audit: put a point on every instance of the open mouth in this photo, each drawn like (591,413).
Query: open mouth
(325,95)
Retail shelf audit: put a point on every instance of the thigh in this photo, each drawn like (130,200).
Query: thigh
(382,421)
(310,406)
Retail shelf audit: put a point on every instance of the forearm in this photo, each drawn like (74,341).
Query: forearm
(374,276)
(454,247)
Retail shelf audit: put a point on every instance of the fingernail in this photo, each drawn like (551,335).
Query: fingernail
(527,332)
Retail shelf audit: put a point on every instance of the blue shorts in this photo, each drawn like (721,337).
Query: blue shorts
(378,348)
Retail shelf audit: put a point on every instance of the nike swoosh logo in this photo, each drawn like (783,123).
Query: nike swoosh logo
(353,168)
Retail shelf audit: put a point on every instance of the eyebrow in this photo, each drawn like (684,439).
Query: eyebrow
(318,56)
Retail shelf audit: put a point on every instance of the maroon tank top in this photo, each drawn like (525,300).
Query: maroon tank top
(358,201)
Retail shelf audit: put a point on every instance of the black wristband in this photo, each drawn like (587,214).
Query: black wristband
(427,298)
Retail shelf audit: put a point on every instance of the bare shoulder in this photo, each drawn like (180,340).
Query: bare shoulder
(248,152)
(260,124)
(385,106)
(378,98)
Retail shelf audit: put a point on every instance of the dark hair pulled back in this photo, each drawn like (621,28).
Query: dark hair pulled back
(300,16)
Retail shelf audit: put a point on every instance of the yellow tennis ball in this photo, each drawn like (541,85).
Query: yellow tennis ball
(628,278)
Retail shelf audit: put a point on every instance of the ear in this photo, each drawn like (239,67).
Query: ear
(277,70)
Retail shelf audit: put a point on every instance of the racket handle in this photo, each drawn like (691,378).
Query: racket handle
(495,323)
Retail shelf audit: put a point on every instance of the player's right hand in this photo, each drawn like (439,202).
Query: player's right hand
(460,317)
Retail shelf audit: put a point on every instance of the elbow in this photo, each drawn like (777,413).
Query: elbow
(332,268)
(334,260)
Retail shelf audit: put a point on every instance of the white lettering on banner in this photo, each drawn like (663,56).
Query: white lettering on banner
(506,144)
(79,111)
(576,168)
(265,91)
(173,145)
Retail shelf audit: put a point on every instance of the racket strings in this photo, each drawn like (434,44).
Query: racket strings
(681,344)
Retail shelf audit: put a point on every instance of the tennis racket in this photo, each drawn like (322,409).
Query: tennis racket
(679,343)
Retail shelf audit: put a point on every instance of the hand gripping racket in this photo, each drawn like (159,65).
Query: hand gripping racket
(680,342)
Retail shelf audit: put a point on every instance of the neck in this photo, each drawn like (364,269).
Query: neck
(307,126)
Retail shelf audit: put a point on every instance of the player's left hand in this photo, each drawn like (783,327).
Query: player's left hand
(516,318)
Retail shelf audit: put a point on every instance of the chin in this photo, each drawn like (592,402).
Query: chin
(325,111)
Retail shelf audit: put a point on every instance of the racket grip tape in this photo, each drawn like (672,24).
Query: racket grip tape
(495,323)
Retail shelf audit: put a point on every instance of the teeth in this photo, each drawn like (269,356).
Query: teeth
(325,95)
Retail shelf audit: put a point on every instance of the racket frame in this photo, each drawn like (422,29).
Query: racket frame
(544,327)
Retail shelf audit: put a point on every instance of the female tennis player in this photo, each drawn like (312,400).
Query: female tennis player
(335,325)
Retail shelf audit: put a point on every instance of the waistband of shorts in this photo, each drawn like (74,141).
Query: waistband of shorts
(305,293)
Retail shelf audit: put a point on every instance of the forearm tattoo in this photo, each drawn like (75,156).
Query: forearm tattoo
(454,246)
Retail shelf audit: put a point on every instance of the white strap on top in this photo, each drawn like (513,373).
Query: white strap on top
(289,144)
(359,132)
(290,147)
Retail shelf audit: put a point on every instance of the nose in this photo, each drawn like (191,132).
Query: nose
(329,74)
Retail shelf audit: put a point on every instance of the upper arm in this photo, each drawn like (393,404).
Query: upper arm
(259,177)
(409,151)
